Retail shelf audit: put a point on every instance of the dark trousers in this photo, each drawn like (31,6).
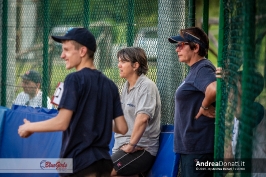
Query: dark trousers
(188,165)
(100,168)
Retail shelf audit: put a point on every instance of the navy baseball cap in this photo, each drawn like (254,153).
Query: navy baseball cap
(33,76)
(187,37)
(80,35)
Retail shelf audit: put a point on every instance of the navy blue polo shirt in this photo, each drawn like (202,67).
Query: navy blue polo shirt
(194,136)
(95,102)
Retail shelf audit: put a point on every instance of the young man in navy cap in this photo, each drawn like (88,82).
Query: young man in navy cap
(89,105)
(32,94)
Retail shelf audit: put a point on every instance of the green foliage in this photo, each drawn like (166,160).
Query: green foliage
(213,28)
(62,12)
(213,8)
(113,13)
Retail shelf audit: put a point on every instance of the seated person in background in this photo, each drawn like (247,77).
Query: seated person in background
(257,107)
(232,149)
(32,95)
(258,125)
(134,152)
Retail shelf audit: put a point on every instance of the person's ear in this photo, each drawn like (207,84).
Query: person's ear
(38,85)
(83,51)
(136,66)
(197,47)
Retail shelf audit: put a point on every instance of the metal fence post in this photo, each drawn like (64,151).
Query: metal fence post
(130,27)
(191,13)
(46,73)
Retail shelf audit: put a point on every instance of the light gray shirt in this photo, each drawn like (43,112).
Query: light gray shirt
(142,98)
(24,99)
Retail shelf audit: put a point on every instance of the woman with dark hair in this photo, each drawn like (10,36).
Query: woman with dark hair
(194,103)
(134,152)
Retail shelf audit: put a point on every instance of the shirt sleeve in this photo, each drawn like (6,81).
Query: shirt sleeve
(19,99)
(205,76)
(70,96)
(117,105)
(49,104)
(147,100)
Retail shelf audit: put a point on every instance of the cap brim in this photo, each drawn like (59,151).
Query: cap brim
(24,77)
(60,38)
(176,39)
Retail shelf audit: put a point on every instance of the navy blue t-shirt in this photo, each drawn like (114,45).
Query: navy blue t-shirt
(95,102)
(194,136)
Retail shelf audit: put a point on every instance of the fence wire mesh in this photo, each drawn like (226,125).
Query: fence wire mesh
(242,125)
(27,25)
(26,43)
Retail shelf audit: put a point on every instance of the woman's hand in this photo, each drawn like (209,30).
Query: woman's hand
(210,112)
(130,149)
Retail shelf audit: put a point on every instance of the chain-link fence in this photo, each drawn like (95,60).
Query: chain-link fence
(26,44)
(240,123)
(27,25)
